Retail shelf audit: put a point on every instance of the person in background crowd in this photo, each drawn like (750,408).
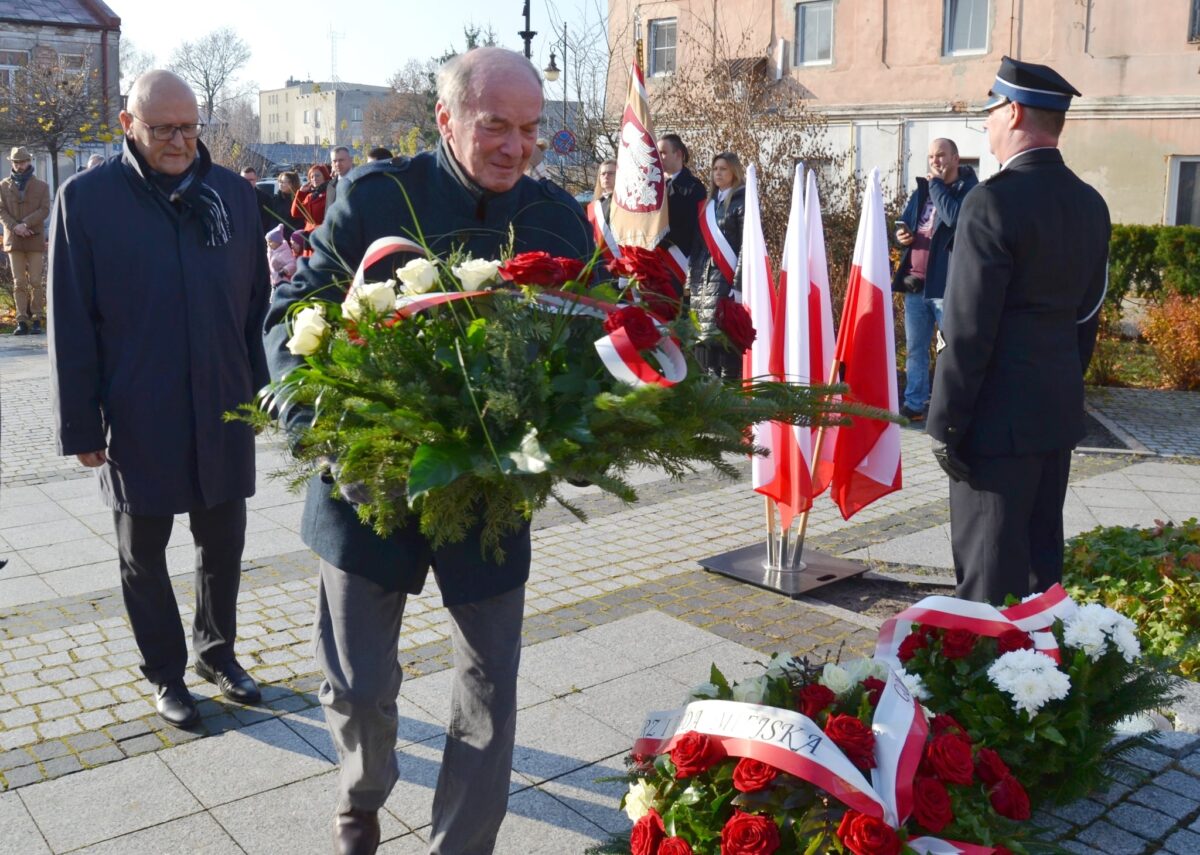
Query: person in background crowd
(927,235)
(685,195)
(279,256)
(298,241)
(537,168)
(281,202)
(714,270)
(340,164)
(266,212)
(158,288)
(94,160)
(310,199)
(598,209)
(378,153)
(1027,279)
(24,206)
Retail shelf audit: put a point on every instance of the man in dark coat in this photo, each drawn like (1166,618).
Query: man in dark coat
(158,288)
(1022,306)
(927,235)
(685,195)
(468,194)
(265,212)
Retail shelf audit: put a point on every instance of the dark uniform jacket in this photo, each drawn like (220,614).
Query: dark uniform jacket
(947,201)
(684,195)
(451,211)
(706,283)
(154,336)
(1027,277)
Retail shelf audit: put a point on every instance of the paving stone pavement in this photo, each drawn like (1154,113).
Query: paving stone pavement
(619,620)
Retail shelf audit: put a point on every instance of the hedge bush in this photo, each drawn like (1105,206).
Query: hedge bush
(1153,262)
(1173,329)
(1150,575)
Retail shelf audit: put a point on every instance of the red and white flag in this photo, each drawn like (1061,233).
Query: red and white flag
(758,295)
(820,323)
(791,446)
(638,213)
(866,454)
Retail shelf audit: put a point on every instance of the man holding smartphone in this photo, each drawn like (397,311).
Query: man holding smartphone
(926,231)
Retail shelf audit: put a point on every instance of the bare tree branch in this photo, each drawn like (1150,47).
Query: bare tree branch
(210,64)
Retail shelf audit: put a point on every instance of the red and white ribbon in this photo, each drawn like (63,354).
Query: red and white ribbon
(718,246)
(900,730)
(602,231)
(380,249)
(1035,616)
(937,846)
(675,261)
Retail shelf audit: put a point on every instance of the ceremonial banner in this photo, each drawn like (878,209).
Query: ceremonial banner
(866,454)
(638,213)
(821,342)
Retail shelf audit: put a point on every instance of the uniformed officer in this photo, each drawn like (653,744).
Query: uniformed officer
(1027,278)
(471,194)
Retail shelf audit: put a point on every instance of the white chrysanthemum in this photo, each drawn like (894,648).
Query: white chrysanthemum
(474,273)
(703,692)
(1093,626)
(640,799)
(1127,643)
(1085,635)
(836,679)
(752,691)
(1031,678)
(915,685)
(861,669)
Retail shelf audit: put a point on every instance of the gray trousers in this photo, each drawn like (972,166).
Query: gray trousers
(356,637)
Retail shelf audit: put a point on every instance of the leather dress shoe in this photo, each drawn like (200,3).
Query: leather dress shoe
(232,679)
(176,705)
(356,832)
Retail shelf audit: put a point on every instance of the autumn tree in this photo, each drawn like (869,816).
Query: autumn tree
(46,107)
(211,64)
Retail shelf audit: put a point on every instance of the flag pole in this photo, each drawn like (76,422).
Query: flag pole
(773,556)
(816,461)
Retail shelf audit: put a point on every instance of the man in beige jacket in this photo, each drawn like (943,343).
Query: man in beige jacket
(24,207)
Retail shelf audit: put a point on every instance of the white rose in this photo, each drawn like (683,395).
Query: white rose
(308,328)
(418,275)
(474,273)
(752,691)
(380,296)
(640,799)
(835,678)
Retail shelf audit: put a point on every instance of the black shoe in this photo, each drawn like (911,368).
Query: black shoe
(22,328)
(36,329)
(356,832)
(232,679)
(176,705)
(912,415)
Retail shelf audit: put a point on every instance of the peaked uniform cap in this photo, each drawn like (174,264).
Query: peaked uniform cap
(1033,85)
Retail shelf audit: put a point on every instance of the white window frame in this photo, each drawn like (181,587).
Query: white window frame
(356,114)
(306,117)
(797,62)
(1175,160)
(947,30)
(652,50)
(7,68)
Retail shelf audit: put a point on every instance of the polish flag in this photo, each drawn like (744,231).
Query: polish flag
(820,323)
(758,295)
(866,454)
(791,445)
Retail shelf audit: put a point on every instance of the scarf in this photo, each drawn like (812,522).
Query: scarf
(187,191)
(21,179)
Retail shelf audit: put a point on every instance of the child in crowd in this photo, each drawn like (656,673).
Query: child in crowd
(280,257)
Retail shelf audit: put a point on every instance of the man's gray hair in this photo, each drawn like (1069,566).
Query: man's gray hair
(454,77)
(338,148)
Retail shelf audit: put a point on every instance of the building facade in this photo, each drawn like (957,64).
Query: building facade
(891,75)
(71,35)
(315,113)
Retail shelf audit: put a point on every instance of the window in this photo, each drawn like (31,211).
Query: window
(306,117)
(965,27)
(72,62)
(316,118)
(662,47)
(814,32)
(1183,192)
(11,61)
(356,115)
(1194,22)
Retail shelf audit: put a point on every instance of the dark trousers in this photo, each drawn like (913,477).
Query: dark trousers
(1006,526)
(219,534)
(719,360)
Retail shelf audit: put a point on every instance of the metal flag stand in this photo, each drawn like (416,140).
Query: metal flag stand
(782,565)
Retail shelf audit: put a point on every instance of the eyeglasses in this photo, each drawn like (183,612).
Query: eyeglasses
(163,133)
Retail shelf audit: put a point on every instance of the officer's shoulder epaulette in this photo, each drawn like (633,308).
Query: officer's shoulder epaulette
(395,166)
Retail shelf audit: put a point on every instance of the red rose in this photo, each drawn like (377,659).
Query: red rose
(1013,639)
(675,846)
(958,643)
(912,642)
(571,268)
(944,723)
(647,834)
(733,319)
(748,834)
(989,767)
(814,697)
(854,738)
(750,776)
(931,804)
(695,753)
(949,756)
(874,687)
(866,835)
(637,324)
(654,283)
(533,268)
(1009,799)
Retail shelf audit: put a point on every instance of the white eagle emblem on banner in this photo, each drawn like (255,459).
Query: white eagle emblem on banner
(639,168)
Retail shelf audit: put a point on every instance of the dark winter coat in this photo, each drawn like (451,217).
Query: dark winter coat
(947,199)
(452,212)
(154,336)
(685,193)
(706,283)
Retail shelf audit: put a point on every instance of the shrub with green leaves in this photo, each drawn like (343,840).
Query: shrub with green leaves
(1152,576)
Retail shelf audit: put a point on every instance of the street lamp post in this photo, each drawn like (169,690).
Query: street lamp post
(527,34)
(551,71)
